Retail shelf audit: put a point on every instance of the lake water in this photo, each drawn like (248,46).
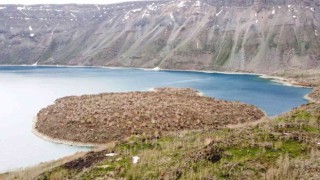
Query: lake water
(25,90)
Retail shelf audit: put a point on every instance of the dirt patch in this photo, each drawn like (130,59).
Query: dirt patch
(108,117)
(87,161)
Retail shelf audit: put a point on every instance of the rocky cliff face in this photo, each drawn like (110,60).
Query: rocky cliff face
(247,35)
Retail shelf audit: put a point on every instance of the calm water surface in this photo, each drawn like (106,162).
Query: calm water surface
(25,90)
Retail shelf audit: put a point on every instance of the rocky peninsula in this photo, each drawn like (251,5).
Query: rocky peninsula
(315,94)
(108,117)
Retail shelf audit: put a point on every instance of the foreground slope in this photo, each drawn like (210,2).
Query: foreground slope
(255,35)
(287,147)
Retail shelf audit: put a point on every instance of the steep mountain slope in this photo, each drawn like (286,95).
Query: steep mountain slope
(247,35)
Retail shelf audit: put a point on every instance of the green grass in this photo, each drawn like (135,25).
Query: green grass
(240,154)
(244,153)
(57,173)
(303,115)
(136,146)
(311,129)
(95,173)
(293,148)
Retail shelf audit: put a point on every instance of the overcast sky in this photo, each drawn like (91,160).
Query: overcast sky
(61,1)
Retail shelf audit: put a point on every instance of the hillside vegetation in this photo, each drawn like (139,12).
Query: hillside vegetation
(287,147)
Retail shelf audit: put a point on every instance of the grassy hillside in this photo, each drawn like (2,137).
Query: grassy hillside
(287,147)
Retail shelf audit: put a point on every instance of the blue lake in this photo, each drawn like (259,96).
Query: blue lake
(25,90)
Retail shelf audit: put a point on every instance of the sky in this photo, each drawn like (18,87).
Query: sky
(61,1)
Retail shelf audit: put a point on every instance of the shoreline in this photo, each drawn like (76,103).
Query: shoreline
(307,97)
(277,79)
(199,93)
(92,146)
(282,80)
(310,99)
(60,141)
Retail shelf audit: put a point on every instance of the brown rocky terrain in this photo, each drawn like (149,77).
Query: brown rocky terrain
(108,117)
(309,78)
(261,36)
(315,94)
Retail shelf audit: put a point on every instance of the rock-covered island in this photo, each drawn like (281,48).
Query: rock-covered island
(107,117)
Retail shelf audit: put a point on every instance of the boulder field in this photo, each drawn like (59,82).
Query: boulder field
(108,117)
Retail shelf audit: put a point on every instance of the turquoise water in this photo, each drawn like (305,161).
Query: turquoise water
(25,90)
